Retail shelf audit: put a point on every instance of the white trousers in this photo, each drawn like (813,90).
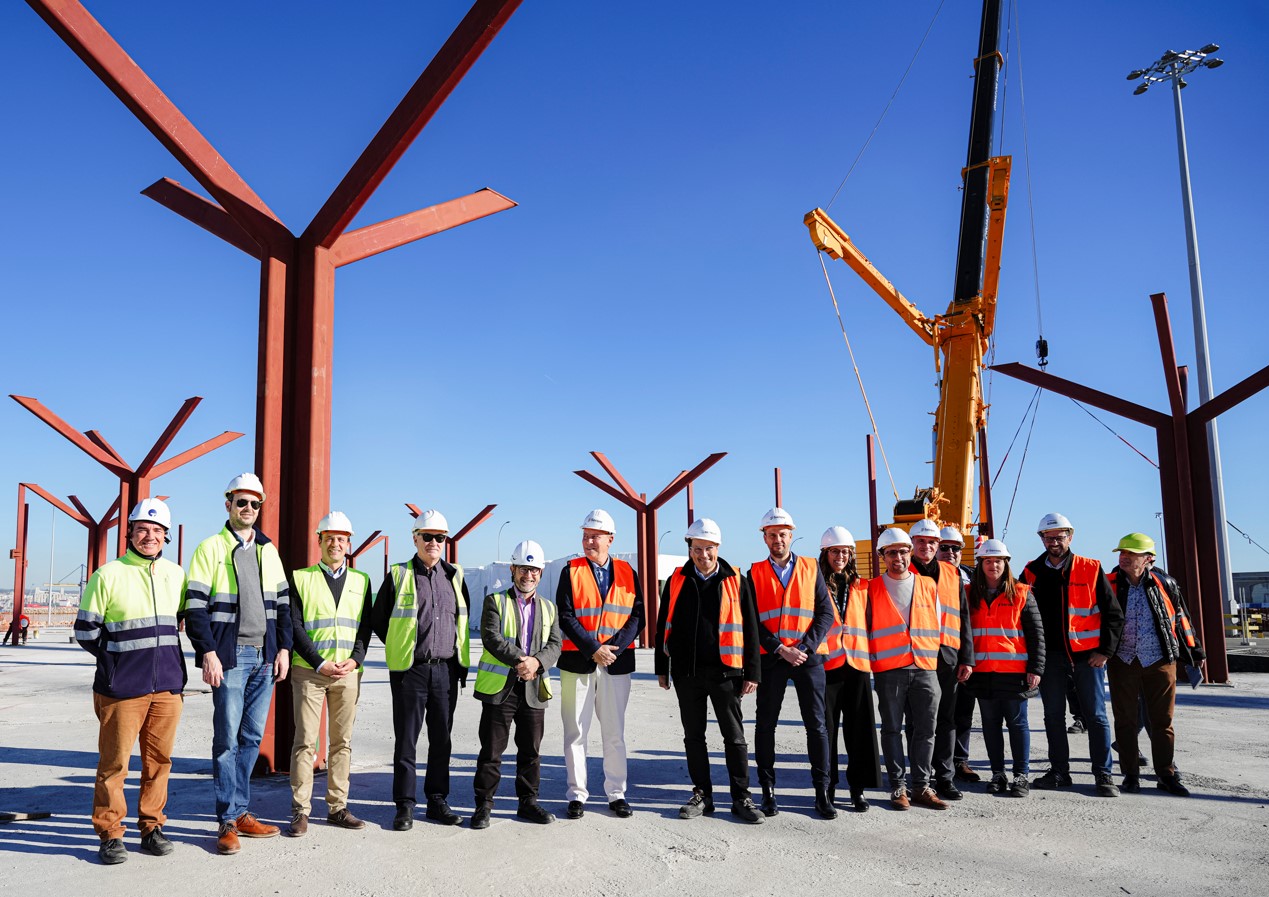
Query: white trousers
(606,696)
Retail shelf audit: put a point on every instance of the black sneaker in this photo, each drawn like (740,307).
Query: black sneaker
(112,852)
(999,783)
(1020,787)
(1053,779)
(155,843)
(744,809)
(698,804)
(1172,785)
(1106,786)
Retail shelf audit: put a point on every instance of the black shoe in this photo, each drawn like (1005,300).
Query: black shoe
(947,791)
(699,803)
(999,783)
(1130,785)
(859,802)
(744,809)
(620,808)
(1106,786)
(1172,785)
(480,819)
(823,805)
(1076,728)
(404,820)
(965,772)
(531,811)
(832,794)
(438,811)
(154,842)
(1020,787)
(576,809)
(112,852)
(1053,779)
(769,807)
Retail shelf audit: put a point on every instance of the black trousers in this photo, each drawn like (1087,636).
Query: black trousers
(964,722)
(945,727)
(724,693)
(425,693)
(494,731)
(849,710)
(808,679)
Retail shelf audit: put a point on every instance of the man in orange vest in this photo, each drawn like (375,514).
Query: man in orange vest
(1082,623)
(601,614)
(795,613)
(707,637)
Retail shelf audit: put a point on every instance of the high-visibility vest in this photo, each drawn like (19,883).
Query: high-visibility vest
(786,613)
(601,617)
(855,627)
(403,625)
(213,579)
(838,642)
(999,643)
(1177,618)
(893,644)
(731,631)
(332,628)
(491,673)
(1083,619)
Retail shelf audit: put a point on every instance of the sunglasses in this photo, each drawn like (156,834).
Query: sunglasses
(243,502)
(431,537)
(955,549)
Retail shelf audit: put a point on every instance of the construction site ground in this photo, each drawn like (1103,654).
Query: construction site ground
(1066,843)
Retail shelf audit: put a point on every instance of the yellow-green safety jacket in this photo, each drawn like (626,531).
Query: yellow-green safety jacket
(491,674)
(332,628)
(403,623)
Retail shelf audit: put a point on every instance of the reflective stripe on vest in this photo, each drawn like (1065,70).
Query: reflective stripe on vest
(731,634)
(1083,618)
(999,643)
(491,673)
(332,628)
(848,644)
(786,613)
(601,617)
(403,624)
(893,644)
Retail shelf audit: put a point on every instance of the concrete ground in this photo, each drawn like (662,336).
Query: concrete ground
(1053,843)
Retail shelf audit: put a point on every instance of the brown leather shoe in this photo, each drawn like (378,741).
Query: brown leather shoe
(298,827)
(344,819)
(930,800)
(899,799)
(227,842)
(250,827)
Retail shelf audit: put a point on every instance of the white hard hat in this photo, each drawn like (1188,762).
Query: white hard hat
(601,520)
(994,548)
(835,536)
(1053,521)
(705,529)
(528,554)
(893,536)
(951,534)
(335,522)
(925,527)
(152,510)
(430,520)
(245,482)
(777,517)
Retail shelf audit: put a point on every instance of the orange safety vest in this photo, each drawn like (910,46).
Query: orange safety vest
(893,644)
(950,593)
(838,642)
(1178,619)
(1083,618)
(731,632)
(787,613)
(602,618)
(999,645)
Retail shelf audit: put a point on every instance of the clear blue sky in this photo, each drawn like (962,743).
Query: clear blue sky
(655,295)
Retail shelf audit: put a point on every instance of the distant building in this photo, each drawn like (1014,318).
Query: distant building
(1252,589)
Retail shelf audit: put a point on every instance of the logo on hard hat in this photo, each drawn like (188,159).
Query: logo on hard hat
(152,512)
(528,557)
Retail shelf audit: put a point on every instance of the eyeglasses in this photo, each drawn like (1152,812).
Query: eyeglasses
(532,571)
(243,502)
(1060,537)
(954,549)
(431,537)
(896,552)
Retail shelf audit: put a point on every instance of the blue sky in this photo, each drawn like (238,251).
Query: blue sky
(655,295)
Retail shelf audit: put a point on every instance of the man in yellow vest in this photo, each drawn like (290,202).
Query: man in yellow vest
(420,614)
(521,639)
(330,605)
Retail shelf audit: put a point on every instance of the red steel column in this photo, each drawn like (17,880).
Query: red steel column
(19,552)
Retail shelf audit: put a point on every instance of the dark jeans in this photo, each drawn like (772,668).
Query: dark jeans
(495,727)
(945,724)
(848,708)
(423,693)
(1011,712)
(964,723)
(912,693)
(1090,686)
(1155,688)
(808,679)
(724,693)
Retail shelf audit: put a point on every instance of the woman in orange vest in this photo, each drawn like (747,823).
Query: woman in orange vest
(1008,663)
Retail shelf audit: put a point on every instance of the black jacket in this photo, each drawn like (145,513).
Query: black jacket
(693,644)
(1173,648)
(580,661)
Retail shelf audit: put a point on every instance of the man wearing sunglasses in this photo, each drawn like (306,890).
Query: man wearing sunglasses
(951,548)
(238,617)
(420,615)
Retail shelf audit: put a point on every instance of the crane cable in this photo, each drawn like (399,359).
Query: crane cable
(863,392)
(1116,435)
(1034,408)
(1026,152)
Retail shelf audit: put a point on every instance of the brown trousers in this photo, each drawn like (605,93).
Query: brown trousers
(152,719)
(1157,685)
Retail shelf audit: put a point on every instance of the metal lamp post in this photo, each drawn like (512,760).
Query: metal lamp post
(1174,66)
(498,546)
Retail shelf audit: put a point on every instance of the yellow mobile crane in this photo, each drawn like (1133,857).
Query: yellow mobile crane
(962,333)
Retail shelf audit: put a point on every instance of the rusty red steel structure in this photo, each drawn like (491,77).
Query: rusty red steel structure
(646,524)
(297,274)
(1188,509)
(134,483)
(371,541)
(779,490)
(18,553)
(451,543)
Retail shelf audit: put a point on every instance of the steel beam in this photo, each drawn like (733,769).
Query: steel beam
(203,212)
(376,238)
